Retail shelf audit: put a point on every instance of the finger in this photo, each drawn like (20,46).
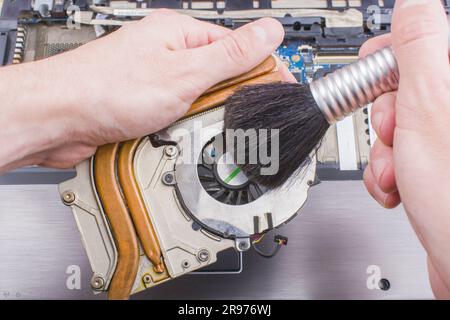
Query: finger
(375,44)
(387,200)
(200,33)
(284,72)
(239,51)
(382,166)
(182,31)
(420,40)
(382,117)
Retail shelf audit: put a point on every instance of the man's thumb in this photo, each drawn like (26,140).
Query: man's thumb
(240,50)
(420,40)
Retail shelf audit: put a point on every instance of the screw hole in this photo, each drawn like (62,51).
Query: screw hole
(147,279)
(185,264)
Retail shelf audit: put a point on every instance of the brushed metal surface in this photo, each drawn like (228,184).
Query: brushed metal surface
(331,244)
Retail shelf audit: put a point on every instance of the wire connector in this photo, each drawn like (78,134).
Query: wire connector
(281,240)
(278,239)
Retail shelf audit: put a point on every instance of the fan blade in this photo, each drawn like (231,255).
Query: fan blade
(218,193)
(228,198)
(239,197)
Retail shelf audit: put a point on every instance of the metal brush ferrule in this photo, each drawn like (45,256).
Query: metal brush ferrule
(342,92)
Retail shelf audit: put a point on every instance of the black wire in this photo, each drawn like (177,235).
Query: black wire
(267,255)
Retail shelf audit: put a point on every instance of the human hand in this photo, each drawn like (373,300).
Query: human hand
(409,161)
(128,84)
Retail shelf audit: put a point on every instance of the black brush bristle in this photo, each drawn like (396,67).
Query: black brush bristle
(288,107)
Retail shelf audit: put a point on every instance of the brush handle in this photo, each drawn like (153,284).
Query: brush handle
(345,90)
(354,86)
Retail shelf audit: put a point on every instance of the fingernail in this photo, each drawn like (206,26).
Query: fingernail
(377,121)
(378,167)
(266,31)
(383,202)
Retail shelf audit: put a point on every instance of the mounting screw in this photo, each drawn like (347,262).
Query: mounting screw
(97,282)
(242,245)
(68,197)
(147,279)
(384,284)
(170,151)
(185,264)
(168,178)
(203,255)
